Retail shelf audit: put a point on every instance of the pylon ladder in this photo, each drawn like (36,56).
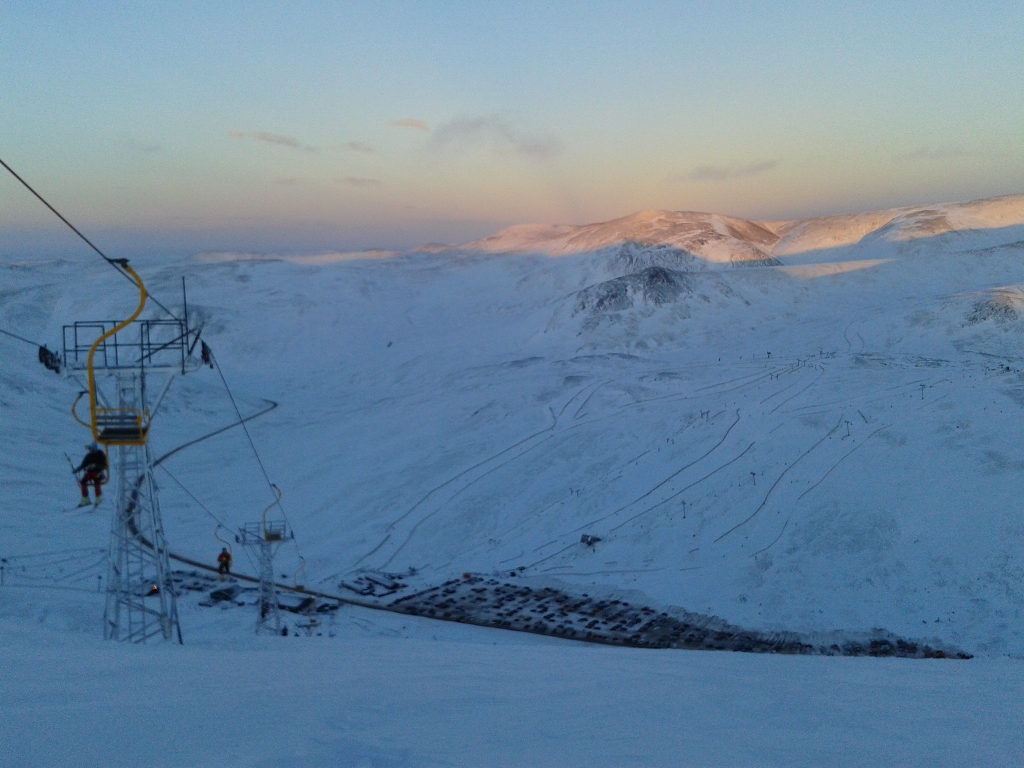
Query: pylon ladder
(141,602)
(263,539)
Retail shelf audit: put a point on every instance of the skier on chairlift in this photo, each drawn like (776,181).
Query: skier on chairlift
(224,563)
(94,465)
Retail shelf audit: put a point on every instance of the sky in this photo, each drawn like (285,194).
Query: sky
(175,128)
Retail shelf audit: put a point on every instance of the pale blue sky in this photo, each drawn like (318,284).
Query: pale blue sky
(300,127)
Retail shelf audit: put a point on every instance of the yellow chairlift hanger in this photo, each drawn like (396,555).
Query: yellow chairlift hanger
(273,531)
(117,426)
(227,544)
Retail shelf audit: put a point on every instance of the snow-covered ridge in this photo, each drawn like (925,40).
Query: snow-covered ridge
(331,257)
(721,239)
(713,237)
(695,241)
(898,224)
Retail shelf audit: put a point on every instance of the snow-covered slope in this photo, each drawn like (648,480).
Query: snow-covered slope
(897,224)
(825,440)
(416,694)
(806,451)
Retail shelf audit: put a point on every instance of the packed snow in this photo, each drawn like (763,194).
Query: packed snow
(803,428)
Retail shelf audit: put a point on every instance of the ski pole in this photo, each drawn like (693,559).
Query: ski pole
(71,464)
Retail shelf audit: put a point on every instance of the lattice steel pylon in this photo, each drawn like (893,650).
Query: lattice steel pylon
(263,539)
(140,602)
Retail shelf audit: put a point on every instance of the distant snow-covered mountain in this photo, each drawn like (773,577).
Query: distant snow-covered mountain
(720,240)
(712,237)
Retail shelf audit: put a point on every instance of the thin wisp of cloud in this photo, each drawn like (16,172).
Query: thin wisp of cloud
(410,122)
(490,130)
(358,146)
(148,149)
(272,138)
(357,181)
(929,153)
(727,173)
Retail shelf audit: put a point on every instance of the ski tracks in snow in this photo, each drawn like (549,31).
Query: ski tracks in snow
(808,471)
(827,458)
(400,531)
(778,480)
(664,482)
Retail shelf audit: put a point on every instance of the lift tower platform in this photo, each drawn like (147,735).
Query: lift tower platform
(264,538)
(123,362)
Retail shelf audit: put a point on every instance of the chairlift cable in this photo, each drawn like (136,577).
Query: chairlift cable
(205,509)
(49,586)
(58,552)
(119,265)
(112,262)
(202,506)
(256,453)
(273,489)
(63,560)
(192,496)
(215,432)
(91,566)
(47,357)
(239,413)
(20,338)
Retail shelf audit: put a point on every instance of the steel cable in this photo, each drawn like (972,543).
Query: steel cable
(255,452)
(112,262)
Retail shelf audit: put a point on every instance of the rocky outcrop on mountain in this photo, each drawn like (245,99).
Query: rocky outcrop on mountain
(654,285)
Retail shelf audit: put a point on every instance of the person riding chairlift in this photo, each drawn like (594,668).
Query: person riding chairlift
(224,563)
(94,465)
